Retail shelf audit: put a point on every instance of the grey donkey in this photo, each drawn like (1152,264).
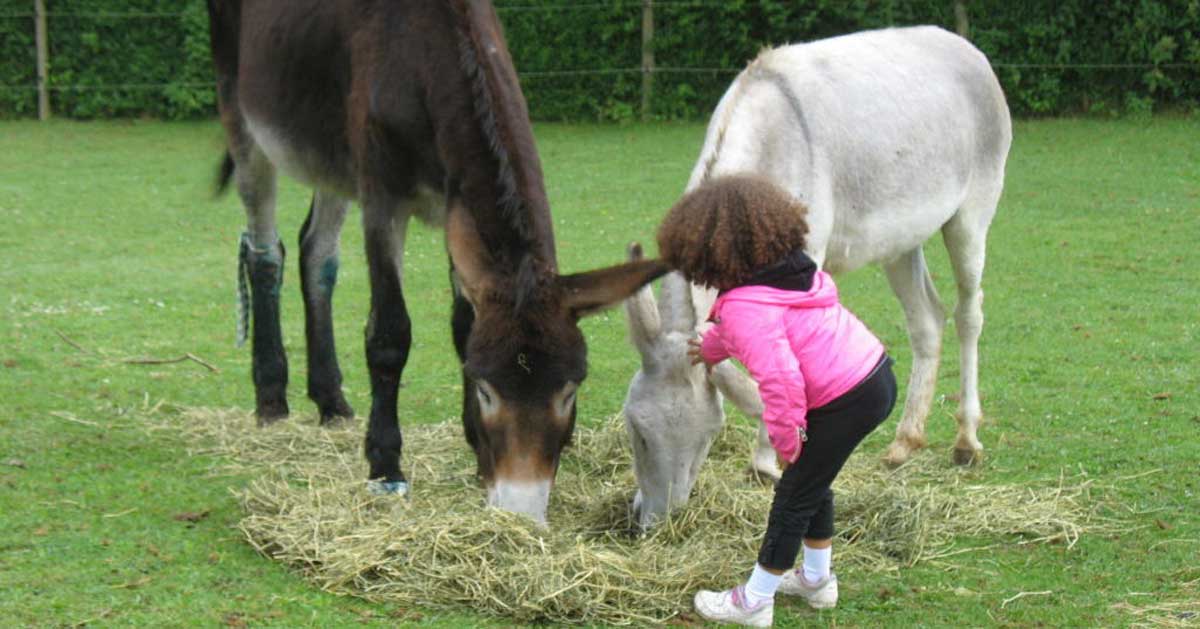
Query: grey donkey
(674,410)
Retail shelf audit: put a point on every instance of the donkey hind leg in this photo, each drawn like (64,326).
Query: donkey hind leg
(965,237)
(261,262)
(318,276)
(923,311)
(388,339)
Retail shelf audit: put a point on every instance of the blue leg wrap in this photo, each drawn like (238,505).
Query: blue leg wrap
(387,488)
(247,255)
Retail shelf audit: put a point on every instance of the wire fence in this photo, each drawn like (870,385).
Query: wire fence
(49,83)
(538,74)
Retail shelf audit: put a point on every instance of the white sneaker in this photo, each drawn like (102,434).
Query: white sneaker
(820,595)
(730,606)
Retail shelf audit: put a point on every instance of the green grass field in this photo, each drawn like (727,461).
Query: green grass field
(113,250)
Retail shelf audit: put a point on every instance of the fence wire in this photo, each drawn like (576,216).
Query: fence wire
(546,74)
(95,16)
(514,8)
(527,74)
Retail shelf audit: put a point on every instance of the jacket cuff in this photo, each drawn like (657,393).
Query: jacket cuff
(789,442)
(786,448)
(712,349)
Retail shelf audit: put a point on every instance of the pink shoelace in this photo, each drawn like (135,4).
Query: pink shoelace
(739,599)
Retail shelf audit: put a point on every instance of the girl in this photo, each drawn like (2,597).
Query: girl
(825,380)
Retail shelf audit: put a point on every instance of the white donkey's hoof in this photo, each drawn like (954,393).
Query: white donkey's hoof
(899,452)
(387,488)
(766,470)
(967,456)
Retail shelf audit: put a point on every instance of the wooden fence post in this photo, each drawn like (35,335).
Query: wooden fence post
(39,28)
(960,19)
(647,58)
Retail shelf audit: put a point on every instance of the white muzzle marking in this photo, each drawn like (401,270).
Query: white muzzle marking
(525,497)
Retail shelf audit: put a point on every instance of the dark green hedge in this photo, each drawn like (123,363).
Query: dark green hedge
(1161,33)
(159,63)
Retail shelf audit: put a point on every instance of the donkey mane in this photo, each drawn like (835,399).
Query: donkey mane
(759,70)
(504,120)
(723,125)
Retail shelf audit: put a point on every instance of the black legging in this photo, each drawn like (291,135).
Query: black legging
(803,504)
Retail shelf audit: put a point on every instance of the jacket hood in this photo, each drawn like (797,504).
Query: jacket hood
(794,272)
(823,293)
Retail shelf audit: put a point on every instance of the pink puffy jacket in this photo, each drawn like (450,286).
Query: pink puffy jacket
(802,348)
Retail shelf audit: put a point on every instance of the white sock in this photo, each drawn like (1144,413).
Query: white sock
(761,586)
(816,563)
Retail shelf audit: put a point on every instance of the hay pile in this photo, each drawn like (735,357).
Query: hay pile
(1182,609)
(440,549)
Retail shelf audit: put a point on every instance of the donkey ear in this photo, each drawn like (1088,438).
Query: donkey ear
(471,261)
(677,311)
(702,301)
(640,309)
(593,291)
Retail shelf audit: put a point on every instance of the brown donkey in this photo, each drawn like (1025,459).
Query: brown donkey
(413,109)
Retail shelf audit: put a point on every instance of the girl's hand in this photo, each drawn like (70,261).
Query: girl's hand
(694,355)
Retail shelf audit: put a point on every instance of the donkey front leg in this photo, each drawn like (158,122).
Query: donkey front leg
(388,338)
(764,462)
(319,245)
(462,317)
(743,392)
(261,262)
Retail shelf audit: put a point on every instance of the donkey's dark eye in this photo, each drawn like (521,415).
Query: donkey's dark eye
(489,400)
(566,399)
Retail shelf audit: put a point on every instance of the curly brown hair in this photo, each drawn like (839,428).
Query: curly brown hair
(724,231)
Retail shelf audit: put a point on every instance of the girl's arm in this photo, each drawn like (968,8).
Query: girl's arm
(756,337)
(712,346)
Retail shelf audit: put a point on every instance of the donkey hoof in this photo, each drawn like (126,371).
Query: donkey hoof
(388,488)
(270,412)
(336,413)
(765,472)
(897,455)
(967,456)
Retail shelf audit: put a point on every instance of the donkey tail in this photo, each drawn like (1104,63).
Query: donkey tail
(224,175)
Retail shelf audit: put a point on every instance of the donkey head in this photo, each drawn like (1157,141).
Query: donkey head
(524,360)
(673,410)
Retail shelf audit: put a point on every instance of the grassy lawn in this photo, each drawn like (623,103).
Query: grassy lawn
(113,251)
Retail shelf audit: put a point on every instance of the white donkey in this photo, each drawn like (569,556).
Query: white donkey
(887,136)
(673,410)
